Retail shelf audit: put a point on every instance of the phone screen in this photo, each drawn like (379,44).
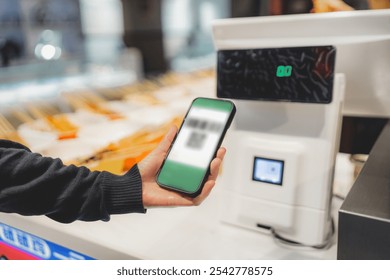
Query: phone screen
(197,141)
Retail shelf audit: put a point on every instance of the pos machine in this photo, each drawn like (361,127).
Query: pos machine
(278,171)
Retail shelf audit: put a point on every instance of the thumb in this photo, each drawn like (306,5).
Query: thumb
(164,145)
(154,160)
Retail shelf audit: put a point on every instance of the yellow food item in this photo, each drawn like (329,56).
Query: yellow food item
(113,165)
(324,6)
(121,156)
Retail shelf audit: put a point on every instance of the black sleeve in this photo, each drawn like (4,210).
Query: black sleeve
(34,185)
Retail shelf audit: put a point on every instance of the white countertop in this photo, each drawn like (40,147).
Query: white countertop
(179,233)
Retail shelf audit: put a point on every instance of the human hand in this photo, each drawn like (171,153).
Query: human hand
(155,196)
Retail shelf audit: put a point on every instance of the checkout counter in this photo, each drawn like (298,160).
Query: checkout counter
(176,233)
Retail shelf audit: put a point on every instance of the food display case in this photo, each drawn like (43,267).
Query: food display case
(108,128)
(92,126)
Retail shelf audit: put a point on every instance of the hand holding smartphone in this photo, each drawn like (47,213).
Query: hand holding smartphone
(187,165)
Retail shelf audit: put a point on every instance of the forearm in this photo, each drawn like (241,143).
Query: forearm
(34,185)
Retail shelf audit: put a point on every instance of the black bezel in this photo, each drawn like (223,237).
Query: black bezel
(264,181)
(251,74)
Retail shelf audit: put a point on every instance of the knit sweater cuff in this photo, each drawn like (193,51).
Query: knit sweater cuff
(123,194)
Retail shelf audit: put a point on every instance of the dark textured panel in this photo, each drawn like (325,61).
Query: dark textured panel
(252,74)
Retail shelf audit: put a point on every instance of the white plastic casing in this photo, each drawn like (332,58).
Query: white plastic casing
(305,136)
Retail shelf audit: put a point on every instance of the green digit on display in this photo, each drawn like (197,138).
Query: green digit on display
(287,71)
(284,71)
(280,71)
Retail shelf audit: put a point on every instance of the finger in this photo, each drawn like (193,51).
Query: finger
(214,168)
(172,133)
(156,157)
(207,188)
(221,153)
(167,141)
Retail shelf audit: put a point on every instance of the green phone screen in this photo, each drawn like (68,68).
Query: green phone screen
(189,158)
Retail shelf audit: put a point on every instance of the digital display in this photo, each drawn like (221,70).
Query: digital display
(298,74)
(268,170)
(199,137)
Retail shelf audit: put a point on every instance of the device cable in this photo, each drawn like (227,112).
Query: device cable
(282,240)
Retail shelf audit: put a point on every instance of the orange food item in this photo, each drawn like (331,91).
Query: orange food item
(131,161)
(123,155)
(97,108)
(145,136)
(379,4)
(63,126)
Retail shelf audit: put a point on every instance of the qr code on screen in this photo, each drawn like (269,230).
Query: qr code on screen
(196,140)
(204,125)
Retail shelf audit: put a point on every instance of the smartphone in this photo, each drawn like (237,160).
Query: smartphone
(187,165)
